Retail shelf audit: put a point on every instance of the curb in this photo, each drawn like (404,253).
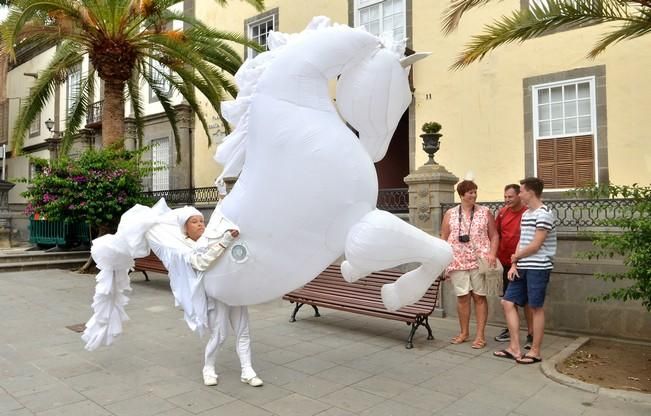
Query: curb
(548,368)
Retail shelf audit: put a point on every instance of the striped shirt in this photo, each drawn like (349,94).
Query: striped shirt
(543,219)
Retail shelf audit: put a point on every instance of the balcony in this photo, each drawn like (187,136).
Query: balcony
(94,116)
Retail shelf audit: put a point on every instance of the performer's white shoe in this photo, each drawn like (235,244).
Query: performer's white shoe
(210,378)
(253,381)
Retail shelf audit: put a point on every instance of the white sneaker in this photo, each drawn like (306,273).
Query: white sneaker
(253,381)
(209,377)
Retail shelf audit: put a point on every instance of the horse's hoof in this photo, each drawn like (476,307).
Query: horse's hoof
(390,297)
(350,273)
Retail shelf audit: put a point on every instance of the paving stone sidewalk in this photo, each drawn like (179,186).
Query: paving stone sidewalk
(339,364)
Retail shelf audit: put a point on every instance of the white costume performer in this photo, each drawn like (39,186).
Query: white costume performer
(221,316)
(306,192)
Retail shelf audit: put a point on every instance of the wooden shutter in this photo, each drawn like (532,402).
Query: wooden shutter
(566,162)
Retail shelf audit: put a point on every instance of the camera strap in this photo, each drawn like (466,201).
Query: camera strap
(472,215)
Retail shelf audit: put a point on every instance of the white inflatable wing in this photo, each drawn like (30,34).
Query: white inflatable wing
(140,229)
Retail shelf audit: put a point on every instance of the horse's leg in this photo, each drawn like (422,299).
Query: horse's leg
(380,241)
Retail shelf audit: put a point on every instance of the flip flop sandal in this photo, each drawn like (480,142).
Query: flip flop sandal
(528,359)
(479,344)
(458,340)
(505,354)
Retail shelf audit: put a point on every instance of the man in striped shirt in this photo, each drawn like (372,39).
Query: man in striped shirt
(531,266)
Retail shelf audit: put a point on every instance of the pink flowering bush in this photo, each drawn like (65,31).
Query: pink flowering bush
(96,188)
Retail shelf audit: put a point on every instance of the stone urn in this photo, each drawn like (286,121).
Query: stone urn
(431,145)
(431,137)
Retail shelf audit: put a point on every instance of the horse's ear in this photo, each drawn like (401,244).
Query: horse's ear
(413,58)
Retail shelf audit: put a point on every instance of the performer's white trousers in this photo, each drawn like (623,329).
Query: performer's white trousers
(220,319)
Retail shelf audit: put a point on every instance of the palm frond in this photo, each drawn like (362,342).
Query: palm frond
(543,18)
(65,57)
(258,4)
(165,102)
(456,10)
(186,89)
(79,109)
(133,90)
(630,30)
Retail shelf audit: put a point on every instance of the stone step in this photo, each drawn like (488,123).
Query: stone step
(12,256)
(72,263)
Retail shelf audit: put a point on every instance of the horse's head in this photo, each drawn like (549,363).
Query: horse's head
(373,94)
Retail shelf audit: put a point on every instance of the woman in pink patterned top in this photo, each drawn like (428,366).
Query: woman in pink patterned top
(470,230)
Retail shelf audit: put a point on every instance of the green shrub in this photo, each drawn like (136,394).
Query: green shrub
(633,243)
(95,188)
(431,127)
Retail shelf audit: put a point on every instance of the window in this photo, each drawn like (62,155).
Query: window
(545,3)
(73,82)
(258,28)
(156,74)
(160,156)
(379,16)
(35,127)
(564,131)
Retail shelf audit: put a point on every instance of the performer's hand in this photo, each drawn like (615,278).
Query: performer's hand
(234,233)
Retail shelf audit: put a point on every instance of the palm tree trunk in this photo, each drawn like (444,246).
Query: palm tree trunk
(113,112)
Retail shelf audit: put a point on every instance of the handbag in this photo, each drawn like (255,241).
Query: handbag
(493,275)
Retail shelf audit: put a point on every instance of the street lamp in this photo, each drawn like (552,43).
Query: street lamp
(49,124)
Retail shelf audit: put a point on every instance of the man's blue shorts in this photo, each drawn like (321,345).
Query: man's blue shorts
(529,288)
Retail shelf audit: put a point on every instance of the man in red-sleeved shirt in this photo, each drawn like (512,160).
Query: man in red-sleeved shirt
(508,227)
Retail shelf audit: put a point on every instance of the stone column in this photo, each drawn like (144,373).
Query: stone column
(130,134)
(5,215)
(429,187)
(82,142)
(53,145)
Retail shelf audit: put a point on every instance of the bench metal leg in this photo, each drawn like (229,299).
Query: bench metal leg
(430,336)
(293,317)
(421,320)
(298,306)
(146,276)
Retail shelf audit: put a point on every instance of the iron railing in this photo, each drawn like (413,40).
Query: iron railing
(94,115)
(576,214)
(395,200)
(189,196)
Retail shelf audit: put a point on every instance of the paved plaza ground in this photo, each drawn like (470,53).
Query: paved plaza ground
(339,364)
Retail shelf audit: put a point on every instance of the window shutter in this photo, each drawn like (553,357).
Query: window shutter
(584,155)
(566,162)
(546,162)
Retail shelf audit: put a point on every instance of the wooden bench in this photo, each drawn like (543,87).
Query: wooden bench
(151,263)
(330,290)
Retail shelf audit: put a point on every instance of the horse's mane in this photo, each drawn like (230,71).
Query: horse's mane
(231,152)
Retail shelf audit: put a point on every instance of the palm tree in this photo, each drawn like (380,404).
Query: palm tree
(631,19)
(126,41)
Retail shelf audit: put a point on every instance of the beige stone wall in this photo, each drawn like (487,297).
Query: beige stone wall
(481,107)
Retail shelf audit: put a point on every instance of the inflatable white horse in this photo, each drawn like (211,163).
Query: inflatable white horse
(307,187)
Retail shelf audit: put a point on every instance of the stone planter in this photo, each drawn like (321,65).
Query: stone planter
(431,145)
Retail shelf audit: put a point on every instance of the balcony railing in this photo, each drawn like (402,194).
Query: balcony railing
(394,200)
(94,115)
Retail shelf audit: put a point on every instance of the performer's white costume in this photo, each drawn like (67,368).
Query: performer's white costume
(307,188)
(221,317)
